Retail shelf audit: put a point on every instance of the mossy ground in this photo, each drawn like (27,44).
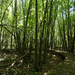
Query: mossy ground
(66,67)
(52,60)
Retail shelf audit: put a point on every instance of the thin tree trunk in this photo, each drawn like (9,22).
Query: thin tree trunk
(24,42)
(1,24)
(41,36)
(49,21)
(68,25)
(64,39)
(36,34)
(72,48)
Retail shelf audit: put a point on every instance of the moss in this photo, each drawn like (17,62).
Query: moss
(52,72)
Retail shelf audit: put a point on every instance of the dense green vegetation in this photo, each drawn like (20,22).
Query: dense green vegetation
(36,26)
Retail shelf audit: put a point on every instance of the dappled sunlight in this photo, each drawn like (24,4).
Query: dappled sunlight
(57,50)
(74,62)
(61,51)
(67,60)
(36,36)
(12,64)
(21,61)
(52,61)
(54,55)
(67,73)
(67,63)
(45,73)
(1,59)
(66,57)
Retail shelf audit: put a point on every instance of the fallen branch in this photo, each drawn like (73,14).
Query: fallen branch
(15,62)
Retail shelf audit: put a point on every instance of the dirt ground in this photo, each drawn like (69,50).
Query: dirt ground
(7,57)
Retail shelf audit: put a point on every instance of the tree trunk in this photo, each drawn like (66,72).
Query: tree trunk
(36,34)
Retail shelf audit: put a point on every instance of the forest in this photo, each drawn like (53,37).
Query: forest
(31,31)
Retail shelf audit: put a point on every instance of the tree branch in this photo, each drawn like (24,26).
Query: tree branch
(15,62)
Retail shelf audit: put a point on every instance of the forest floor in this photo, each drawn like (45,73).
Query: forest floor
(8,56)
(54,65)
(66,67)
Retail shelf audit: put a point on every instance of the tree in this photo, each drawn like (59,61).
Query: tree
(36,34)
